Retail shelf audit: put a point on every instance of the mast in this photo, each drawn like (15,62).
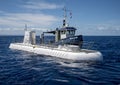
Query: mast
(65,17)
(25,27)
(65,23)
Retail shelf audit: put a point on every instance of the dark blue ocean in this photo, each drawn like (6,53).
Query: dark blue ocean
(24,68)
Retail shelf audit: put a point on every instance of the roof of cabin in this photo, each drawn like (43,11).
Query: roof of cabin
(50,32)
(64,28)
(68,28)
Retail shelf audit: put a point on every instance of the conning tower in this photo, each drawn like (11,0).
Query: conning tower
(29,37)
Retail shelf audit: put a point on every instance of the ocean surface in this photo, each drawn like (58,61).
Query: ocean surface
(24,68)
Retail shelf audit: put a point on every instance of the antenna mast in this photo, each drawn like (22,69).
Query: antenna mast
(65,17)
(25,27)
(65,24)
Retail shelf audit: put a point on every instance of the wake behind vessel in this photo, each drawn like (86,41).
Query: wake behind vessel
(67,45)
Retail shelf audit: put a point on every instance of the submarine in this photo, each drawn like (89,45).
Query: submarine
(66,45)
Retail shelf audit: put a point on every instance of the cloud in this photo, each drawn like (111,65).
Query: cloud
(15,21)
(22,29)
(100,29)
(1,12)
(18,20)
(41,5)
(109,27)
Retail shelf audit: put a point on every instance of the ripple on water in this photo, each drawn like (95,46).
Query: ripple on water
(23,68)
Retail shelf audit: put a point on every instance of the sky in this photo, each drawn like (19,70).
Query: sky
(90,17)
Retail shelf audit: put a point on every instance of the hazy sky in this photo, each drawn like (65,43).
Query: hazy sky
(90,17)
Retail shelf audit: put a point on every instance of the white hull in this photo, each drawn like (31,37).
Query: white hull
(83,55)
